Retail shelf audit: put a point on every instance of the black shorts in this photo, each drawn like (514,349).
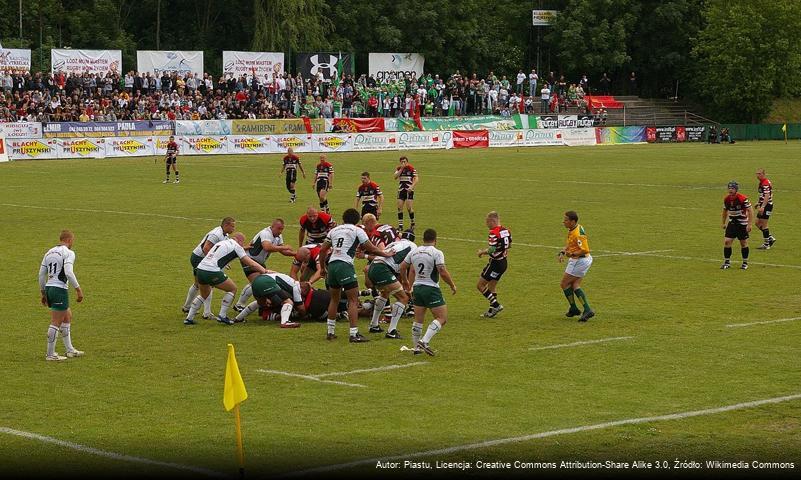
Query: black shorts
(766,215)
(370,209)
(322,184)
(736,230)
(494,270)
(291,177)
(172,160)
(405,194)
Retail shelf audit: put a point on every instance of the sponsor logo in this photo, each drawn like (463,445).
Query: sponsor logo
(129,146)
(416,139)
(331,142)
(287,142)
(82,147)
(540,135)
(318,65)
(362,139)
(506,136)
(251,144)
(549,122)
(205,144)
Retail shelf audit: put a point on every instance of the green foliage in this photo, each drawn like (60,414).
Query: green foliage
(747,54)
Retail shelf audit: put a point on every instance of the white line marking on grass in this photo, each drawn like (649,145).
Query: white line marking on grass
(552,433)
(366,370)
(781,320)
(310,377)
(630,253)
(716,260)
(119,212)
(107,454)
(576,344)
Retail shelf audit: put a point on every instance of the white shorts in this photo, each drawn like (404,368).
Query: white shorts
(578,266)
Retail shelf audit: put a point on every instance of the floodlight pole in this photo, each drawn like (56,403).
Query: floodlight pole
(20,19)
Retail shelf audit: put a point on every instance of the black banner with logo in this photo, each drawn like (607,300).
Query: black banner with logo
(695,134)
(308,64)
(549,121)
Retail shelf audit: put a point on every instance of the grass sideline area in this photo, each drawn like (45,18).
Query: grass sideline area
(150,387)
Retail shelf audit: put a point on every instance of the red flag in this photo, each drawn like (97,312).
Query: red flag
(416,115)
(307,124)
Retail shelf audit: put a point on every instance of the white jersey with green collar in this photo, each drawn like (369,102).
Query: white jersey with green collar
(400,248)
(425,260)
(213,236)
(344,240)
(257,251)
(220,255)
(56,268)
(287,284)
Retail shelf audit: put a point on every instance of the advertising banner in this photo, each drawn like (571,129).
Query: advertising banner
(567,121)
(579,137)
(204,145)
(245,63)
(15,59)
(299,143)
(387,66)
(81,147)
(32,149)
(244,144)
(360,124)
(159,61)
(333,142)
(421,140)
(696,133)
(3,149)
(619,135)
(374,141)
(129,147)
(507,138)
(131,128)
(548,121)
(80,61)
(535,138)
(21,129)
(479,122)
(203,127)
(585,121)
(543,18)
(276,126)
(309,64)
(470,139)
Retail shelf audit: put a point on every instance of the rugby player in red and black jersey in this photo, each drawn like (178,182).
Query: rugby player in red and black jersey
(172,160)
(306,266)
(369,193)
(290,166)
(407,180)
(314,225)
(500,241)
(737,209)
(764,208)
(323,181)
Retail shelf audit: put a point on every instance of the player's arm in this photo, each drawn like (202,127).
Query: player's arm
(405,279)
(446,275)
(358,197)
(397,172)
(369,247)
(748,218)
(324,251)
(493,241)
(415,179)
(295,270)
(206,247)
(317,275)
(247,261)
(331,180)
(380,202)
(284,250)
(42,282)
(283,168)
(301,235)
(723,217)
(72,279)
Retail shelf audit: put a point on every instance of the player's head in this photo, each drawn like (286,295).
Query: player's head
(760,173)
(277,226)
(408,235)
(571,219)
(67,237)
(303,254)
(323,157)
(289,151)
(228,225)
(311,214)
(172,138)
(239,238)
(369,221)
(733,187)
(404,160)
(351,216)
(365,178)
(430,236)
(493,219)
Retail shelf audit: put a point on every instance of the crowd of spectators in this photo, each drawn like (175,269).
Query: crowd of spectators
(54,97)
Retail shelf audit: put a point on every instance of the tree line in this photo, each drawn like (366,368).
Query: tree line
(732,57)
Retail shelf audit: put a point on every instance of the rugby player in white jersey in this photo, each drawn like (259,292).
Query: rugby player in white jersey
(227,226)
(267,241)
(55,275)
(422,268)
(210,274)
(342,242)
(383,273)
(273,290)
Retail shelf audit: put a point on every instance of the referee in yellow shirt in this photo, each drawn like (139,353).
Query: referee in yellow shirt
(578,252)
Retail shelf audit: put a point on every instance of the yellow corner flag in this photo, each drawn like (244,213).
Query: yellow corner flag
(234,394)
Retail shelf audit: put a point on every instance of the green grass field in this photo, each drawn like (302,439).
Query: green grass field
(149,387)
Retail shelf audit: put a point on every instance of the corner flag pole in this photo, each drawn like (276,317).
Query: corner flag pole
(234,393)
(240,450)
(784,129)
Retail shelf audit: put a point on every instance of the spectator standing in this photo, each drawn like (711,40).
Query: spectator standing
(532,82)
(521,77)
(604,84)
(545,96)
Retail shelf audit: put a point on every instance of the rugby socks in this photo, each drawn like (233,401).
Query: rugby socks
(292,196)
(52,333)
(176,176)
(207,305)
(411,217)
(727,254)
(227,300)
(400,219)
(286,311)
(196,304)
(397,311)
(246,293)
(745,251)
(252,307)
(417,331)
(324,206)
(580,294)
(432,330)
(492,297)
(569,295)
(332,326)
(190,295)
(65,336)
(354,331)
(167,178)
(378,309)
